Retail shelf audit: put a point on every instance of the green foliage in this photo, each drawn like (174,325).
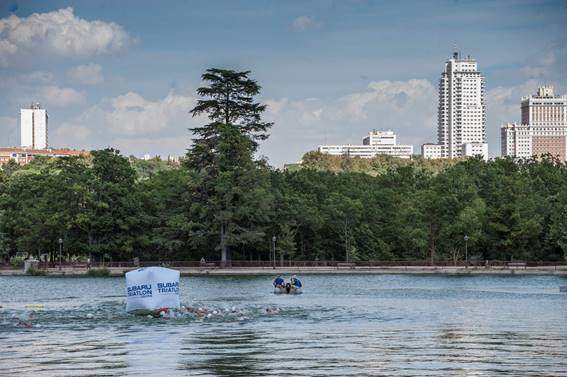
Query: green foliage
(147,168)
(224,202)
(98,272)
(231,202)
(286,241)
(509,210)
(17,263)
(36,272)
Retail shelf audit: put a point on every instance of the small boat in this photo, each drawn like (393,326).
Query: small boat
(288,288)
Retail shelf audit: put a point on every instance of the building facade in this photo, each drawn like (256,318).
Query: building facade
(461,114)
(33,127)
(432,151)
(23,156)
(376,143)
(543,129)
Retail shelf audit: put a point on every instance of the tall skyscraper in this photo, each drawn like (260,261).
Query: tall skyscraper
(461,114)
(543,129)
(461,120)
(33,127)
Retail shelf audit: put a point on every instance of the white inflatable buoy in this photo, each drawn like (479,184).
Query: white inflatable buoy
(151,288)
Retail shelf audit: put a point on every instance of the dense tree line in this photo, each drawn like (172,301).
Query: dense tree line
(99,206)
(222,203)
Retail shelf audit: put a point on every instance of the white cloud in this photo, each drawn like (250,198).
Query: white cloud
(137,125)
(53,95)
(72,133)
(409,108)
(133,124)
(503,103)
(60,33)
(87,74)
(303,23)
(406,107)
(133,114)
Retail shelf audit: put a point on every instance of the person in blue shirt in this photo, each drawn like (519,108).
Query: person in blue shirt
(278,282)
(296,282)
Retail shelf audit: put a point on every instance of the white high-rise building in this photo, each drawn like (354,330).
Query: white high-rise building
(461,123)
(376,143)
(543,129)
(33,127)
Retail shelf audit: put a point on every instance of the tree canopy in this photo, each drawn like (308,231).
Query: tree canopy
(223,203)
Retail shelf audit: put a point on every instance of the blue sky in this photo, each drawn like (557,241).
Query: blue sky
(124,73)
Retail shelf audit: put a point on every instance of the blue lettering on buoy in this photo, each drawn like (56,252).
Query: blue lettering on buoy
(171,287)
(142,290)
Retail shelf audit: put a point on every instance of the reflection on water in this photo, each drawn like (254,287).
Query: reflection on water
(372,325)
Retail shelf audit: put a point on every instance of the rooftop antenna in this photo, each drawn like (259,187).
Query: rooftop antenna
(455,51)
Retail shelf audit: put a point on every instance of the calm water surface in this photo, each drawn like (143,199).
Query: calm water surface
(361,325)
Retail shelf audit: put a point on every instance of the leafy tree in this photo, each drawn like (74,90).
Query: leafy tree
(231,199)
(286,242)
(109,217)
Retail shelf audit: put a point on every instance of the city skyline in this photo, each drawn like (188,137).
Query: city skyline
(329,71)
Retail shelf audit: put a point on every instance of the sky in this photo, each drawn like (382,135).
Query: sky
(124,73)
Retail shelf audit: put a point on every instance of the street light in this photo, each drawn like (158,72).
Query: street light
(466,252)
(60,248)
(274,251)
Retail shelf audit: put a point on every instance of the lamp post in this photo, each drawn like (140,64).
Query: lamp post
(60,249)
(466,251)
(274,252)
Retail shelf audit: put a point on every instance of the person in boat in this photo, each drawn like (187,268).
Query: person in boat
(279,282)
(295,282)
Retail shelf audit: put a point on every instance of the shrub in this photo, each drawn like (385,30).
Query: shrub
(36,272)
(17,263)
(98,272)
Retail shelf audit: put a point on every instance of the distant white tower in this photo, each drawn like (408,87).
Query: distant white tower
(461,113)
(33,123)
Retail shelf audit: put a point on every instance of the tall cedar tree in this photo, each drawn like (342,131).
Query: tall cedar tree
(222,155)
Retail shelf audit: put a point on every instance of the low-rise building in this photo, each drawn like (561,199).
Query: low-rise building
(475,150)
(23,156)
(432,151)
(376,143)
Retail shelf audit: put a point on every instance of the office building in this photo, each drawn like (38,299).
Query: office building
(33,127)
(461,117)
(543,129)
(376,143)
(431,151)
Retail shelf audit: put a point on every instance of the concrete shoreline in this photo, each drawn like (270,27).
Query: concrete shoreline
(267,271)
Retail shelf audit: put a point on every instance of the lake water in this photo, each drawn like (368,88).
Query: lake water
(363,325)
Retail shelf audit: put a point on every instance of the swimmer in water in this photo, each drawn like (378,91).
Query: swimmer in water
(199,312)
(25,323)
